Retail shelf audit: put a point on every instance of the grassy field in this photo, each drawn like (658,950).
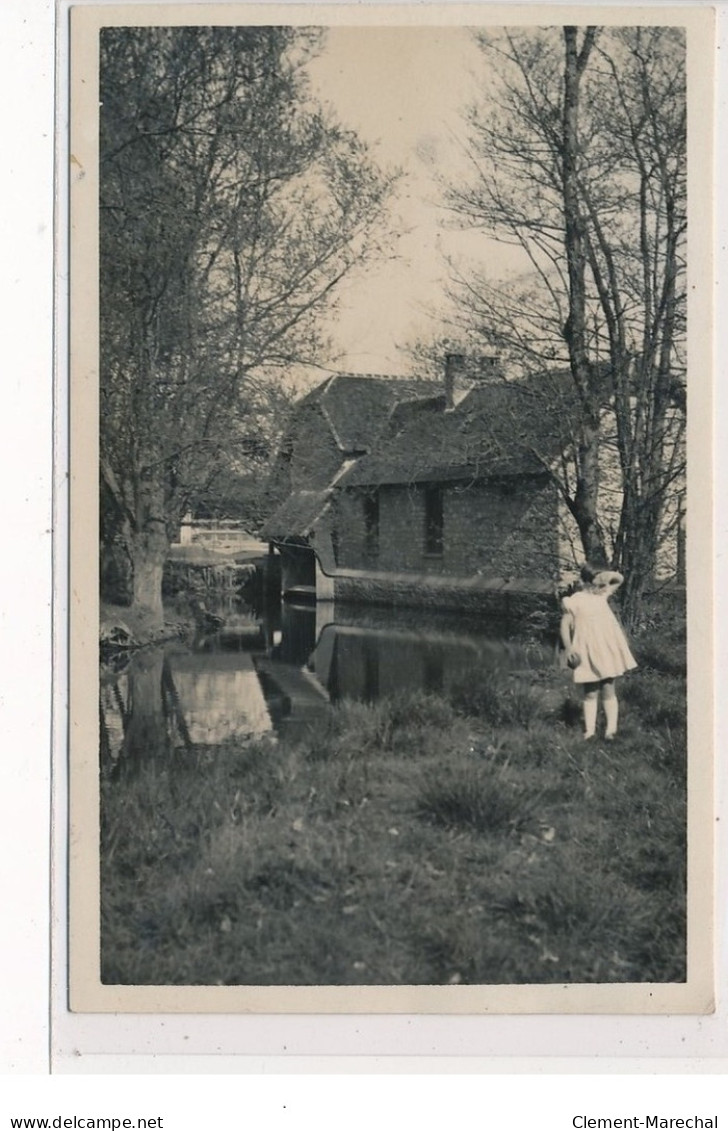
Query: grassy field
(419,840)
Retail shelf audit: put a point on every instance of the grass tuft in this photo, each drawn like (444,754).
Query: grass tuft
(497,699)
(477,799)
(659,699)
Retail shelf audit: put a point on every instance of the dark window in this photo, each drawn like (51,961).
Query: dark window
(433,520)
(371,523)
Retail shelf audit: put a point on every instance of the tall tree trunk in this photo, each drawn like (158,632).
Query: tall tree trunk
(640,549)
(681,540)
(631,597)
(585,503)
(149,551)
(150,546)
(636,553)
(584,506)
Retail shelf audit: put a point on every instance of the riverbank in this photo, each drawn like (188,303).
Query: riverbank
(141,627)
(471,839)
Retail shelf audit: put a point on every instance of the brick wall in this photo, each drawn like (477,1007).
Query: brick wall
(401,530)
(507,530)
(424,591)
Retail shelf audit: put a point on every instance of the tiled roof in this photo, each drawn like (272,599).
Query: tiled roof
(358,406)
(296,517)
(502,428)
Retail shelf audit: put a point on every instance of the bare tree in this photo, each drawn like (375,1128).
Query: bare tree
(578,159)
(637,264)
(231,206)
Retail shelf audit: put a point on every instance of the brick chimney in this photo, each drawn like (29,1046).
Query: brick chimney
(463,372)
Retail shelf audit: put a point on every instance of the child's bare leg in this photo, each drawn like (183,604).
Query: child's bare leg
(611,707)
(591,704)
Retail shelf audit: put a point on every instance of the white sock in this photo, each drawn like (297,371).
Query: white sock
(590,716)
(611,710)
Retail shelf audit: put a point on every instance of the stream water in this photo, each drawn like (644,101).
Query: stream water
(281,670)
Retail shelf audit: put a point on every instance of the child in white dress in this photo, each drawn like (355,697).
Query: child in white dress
(596,647)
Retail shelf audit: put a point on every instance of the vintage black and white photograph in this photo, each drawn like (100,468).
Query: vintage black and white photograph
(393,513)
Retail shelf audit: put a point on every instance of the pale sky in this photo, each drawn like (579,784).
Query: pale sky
(403,90)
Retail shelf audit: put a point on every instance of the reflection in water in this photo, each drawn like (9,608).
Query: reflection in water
(170,700)
(134,710)
(220,696)
(362,654)
(263,673)
(297,634)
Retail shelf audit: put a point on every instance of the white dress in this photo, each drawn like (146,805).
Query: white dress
(597,638)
